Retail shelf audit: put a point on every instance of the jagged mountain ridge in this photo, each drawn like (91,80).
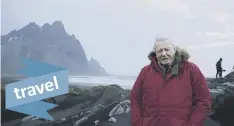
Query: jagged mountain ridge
(48,43)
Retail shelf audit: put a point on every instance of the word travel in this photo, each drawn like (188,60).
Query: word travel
(36,89)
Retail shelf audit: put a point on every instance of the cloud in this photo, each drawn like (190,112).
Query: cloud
(221,17)
(169,5)
(213,45)
(217,35)
(190,17)
(220,35)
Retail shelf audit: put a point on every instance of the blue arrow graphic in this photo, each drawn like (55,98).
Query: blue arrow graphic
(38,108)
(46,81)
(35,68)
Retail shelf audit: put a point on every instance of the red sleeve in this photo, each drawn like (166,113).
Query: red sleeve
(202,97)
(136,118)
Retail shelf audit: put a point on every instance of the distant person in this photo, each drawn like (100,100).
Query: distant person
(164,90)
(219,68)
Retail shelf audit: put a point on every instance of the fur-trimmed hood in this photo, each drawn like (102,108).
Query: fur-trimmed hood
(181,53)
(180,56)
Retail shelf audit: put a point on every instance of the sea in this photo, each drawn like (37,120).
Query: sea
(126,82)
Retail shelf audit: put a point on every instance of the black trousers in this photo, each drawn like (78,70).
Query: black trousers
(219,72)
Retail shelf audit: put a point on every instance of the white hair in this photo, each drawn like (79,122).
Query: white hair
(162,39)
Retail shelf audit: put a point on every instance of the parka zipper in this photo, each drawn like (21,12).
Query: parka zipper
(165,79)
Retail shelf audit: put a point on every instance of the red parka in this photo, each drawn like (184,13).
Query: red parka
(167,100)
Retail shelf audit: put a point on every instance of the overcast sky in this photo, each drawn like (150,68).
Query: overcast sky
(121,33)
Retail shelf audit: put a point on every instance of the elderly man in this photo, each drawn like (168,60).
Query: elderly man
(164,91)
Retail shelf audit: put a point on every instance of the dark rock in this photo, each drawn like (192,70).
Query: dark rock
(230,77)
(222,106)
(77,104)
(122,120)
(223,101)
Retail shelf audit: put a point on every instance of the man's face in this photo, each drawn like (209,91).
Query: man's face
(165,52)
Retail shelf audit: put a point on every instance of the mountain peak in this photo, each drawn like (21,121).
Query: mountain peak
(31,25)
(58,25)
(46,25)
(56,28)
(49,43)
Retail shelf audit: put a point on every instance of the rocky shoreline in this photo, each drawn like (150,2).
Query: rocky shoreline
(75,105)
(92,106)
